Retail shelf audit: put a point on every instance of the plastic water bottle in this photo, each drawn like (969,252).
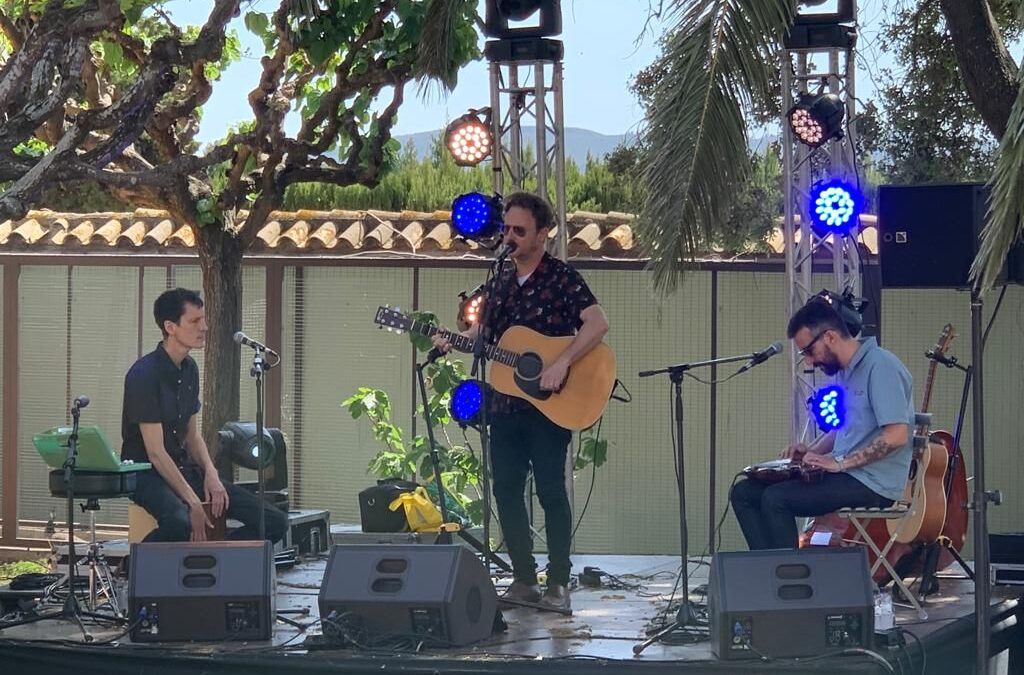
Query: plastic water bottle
(885,617)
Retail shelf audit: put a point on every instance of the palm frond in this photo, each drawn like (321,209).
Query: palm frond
(1006,205)
(436,57)
(720,56)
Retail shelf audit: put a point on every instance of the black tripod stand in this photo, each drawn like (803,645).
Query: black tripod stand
(685,616)
(71,609)
(444,535)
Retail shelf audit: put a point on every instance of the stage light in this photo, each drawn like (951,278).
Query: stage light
(239,440)
(498,13)
(828,405)
(835,208)
(476,216)
(817,118)
(471,305)
(469,139)
(466,401)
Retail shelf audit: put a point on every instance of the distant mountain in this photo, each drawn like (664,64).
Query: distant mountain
(578,142)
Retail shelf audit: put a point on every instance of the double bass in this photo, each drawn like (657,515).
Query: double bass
(905,556)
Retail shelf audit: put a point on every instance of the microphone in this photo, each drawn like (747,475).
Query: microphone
(243,339)
(80,402)
(762,356)
(504,250)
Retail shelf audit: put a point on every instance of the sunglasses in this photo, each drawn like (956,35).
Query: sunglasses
(810,345)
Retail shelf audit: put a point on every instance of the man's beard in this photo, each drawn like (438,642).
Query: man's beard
(830,366)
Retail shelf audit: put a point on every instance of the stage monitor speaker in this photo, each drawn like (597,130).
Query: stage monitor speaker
(221,590)
(439,592)
(790,603)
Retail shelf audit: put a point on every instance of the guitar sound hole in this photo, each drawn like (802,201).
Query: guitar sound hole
(529,366)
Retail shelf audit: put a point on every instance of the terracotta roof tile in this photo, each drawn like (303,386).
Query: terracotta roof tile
(335,232)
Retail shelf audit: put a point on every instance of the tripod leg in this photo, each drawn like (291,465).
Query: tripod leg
(491,556)
(929,583)
(963,564)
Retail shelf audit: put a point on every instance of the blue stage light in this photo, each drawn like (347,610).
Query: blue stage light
(476,216)
(828,405)
(466,401)
(835,208)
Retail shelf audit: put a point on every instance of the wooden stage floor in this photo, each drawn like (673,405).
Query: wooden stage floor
(606,624)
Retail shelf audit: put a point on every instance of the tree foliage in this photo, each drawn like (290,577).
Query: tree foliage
(108,94)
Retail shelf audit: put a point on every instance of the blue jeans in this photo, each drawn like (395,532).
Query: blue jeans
(767,513)
(171,513)
(521,441)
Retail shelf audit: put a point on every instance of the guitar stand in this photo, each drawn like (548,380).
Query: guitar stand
(929,583)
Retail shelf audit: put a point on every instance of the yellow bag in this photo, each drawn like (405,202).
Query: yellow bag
(420,512)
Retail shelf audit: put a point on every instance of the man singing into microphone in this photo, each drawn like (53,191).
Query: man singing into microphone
(865,462)
(159,425)
(545,294)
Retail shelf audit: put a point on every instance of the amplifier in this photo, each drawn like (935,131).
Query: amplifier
(183,591)
(440,593)
(790,603)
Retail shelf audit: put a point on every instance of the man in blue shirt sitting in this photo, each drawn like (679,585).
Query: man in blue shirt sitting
(866,462)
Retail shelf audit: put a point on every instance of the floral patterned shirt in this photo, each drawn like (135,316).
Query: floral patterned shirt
(550,302)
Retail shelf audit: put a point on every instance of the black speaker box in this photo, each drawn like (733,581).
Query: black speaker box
(929,234)
(221,590)
(790,603)
(439,592)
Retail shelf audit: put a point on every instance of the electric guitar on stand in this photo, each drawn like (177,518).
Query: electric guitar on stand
(517,362)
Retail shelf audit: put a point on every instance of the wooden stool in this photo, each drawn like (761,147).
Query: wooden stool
(141,523)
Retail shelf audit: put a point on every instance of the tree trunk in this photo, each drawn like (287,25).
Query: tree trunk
(220,257)
(988,70)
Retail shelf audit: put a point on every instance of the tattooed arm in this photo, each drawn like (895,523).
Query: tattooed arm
(892,438)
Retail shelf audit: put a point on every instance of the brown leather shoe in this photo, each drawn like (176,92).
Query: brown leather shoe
(556,596)
(523,592)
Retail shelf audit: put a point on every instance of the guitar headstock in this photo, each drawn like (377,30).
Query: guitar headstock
(945,339)
(392,319)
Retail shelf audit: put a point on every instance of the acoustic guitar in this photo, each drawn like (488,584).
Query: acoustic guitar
(517,362)
(926,489)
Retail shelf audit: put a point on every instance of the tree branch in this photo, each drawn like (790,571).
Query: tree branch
(986,66)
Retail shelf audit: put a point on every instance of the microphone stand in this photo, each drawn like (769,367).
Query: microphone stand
(258,368)
(479,371)
(71,609)
(676,373)
(444,534)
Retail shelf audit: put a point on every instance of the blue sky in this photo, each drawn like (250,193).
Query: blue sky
(606,44)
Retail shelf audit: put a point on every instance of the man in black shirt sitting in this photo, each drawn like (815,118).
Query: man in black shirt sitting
(159,425)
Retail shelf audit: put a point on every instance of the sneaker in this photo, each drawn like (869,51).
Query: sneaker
(557,597)
(523,592)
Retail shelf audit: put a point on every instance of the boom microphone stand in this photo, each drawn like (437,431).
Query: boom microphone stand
(676,373)
(71,610)
(444,535)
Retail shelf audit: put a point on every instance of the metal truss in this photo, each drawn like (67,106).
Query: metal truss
(525,91)
(808,70)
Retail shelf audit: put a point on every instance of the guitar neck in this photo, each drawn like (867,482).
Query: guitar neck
(465,344)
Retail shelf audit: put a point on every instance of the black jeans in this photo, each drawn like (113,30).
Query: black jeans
(171,513)
(521,441)
(767,513)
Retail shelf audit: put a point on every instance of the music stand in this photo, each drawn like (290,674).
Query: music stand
(71,610)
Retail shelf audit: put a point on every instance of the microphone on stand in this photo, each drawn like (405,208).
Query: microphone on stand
(504,250)
(762,356)
(242,338)
(80,402)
